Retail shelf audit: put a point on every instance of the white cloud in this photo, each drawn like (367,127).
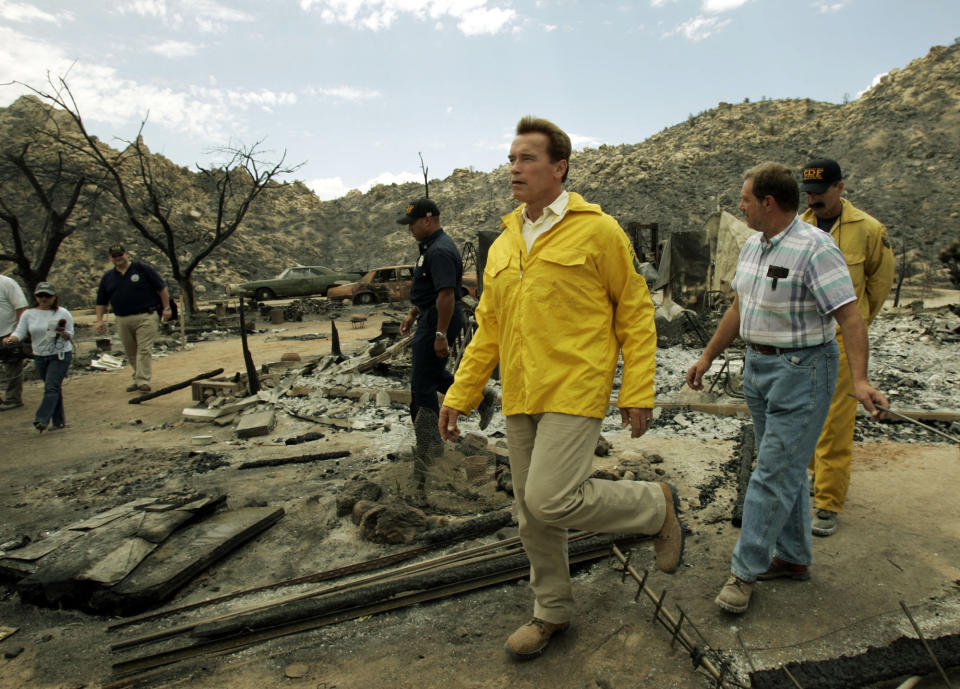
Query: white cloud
(660,3)
(174,49)
(579,141)
(152,9)
(25,59)
(208,114)
(717,6)
(351,94)
(213,17)
(485,20)
(825,6)
(22,12)
(550,27)
(327,188)
(208,15)
(473,17)
(699,28)
(876,80)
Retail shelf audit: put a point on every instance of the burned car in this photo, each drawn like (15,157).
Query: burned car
(298,281)
(391,283)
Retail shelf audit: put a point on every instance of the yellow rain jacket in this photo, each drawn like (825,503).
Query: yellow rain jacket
(557,318)
(866,248)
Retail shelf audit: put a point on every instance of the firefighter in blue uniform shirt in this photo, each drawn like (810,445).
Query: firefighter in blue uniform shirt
(435,295)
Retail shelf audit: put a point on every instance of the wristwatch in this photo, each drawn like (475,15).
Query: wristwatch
(440,335)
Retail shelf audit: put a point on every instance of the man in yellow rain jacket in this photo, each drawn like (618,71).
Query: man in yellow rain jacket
(562,298)
(866,248)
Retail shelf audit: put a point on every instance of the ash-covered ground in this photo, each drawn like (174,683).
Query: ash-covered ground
(914,360)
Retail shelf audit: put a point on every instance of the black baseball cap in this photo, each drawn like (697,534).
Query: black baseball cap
(818,175)
(421,208)
(116,249)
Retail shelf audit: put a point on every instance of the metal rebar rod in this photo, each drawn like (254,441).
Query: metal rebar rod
(946,680)
(666,618)
(912,420)
(676,629)
(642,583)
(753,668)
(659,602)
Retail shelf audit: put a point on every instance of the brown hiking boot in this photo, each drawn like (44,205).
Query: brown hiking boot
(781,569)
(735,595)
(530,639)
(668,543)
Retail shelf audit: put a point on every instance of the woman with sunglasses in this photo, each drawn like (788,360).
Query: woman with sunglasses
(50,327)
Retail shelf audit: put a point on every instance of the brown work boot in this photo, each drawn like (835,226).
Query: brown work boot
(530,639)
(735,595)
(781,569)
(668,543)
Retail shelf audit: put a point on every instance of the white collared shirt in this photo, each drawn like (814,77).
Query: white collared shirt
(551,215)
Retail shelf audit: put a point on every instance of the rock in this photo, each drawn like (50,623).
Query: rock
(290,356)
(603,447)
(393,523)
(360,508)
(354,491)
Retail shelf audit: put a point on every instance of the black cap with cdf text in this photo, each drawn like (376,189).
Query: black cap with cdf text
(421,208)
(818,175)
(116,249)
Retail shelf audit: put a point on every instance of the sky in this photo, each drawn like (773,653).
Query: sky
(358,90)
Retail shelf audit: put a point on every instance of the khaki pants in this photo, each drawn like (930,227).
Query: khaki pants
(551,457)
(831,459)
(137,333)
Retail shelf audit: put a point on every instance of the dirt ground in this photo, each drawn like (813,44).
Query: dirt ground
(899,540)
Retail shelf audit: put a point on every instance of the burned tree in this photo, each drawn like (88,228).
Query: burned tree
(44,197)
(185,215)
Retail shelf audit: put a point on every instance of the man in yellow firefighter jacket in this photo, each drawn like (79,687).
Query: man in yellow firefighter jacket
(866,248)
(563,299)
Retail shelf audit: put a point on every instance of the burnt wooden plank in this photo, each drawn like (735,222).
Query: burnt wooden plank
(119,562)
(186,553)
(56,581)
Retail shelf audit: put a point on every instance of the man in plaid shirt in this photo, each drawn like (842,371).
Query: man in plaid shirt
(792,290)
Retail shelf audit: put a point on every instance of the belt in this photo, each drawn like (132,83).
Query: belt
(768,349)
(136,313)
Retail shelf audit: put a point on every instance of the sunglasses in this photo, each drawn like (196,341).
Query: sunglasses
(44,296)
(115,255)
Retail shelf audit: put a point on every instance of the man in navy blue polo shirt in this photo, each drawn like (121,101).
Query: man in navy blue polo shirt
(435,294)
(133,290)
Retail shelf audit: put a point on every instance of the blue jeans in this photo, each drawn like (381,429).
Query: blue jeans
(429,373)
(52,370)
(789,397)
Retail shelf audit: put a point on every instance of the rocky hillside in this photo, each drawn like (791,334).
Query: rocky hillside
(899,145)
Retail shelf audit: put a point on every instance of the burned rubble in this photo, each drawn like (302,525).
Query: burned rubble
(364,502)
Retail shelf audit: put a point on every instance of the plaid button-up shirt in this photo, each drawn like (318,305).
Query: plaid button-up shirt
(789,285)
